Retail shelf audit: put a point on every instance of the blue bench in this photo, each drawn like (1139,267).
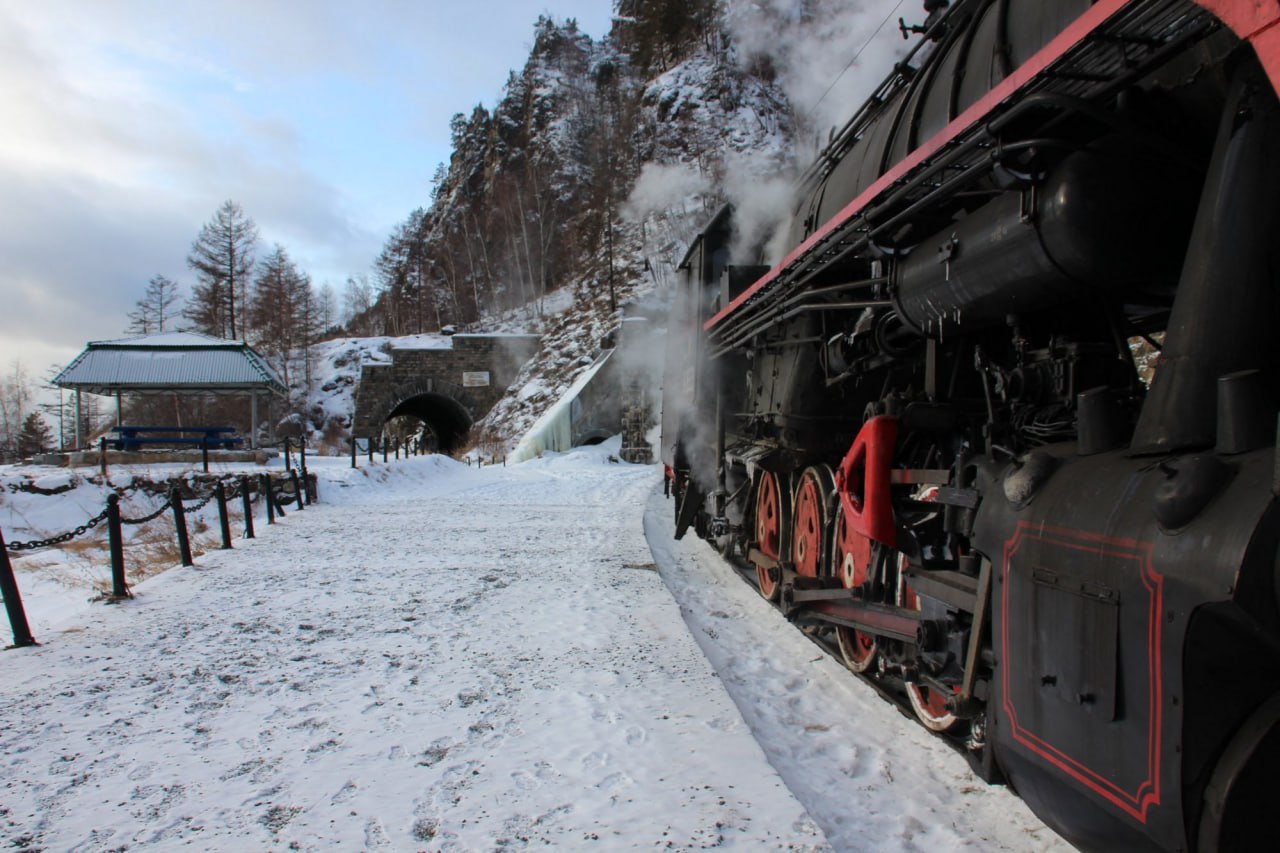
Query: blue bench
(137,437)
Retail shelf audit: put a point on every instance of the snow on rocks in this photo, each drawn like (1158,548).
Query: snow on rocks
(436,657)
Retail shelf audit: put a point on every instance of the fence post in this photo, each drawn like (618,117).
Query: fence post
(115,537)
(102,455)
(297,489)
(370,449)
(306,478)
(288,460)
(353,451)
(204,452)
(264,483)
(13,601)
(384,449)
(180,523)
(248,507)
(220,493)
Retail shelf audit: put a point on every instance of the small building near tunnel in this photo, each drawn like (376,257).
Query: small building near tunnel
(448,383)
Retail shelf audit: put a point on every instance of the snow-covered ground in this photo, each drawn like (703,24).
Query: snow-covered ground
(444,657)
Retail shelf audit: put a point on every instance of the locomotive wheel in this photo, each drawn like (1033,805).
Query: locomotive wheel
(770,514)
(810,521)
(851,556)
(929,703)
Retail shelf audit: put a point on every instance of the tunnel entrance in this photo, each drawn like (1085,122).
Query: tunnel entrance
(445,420)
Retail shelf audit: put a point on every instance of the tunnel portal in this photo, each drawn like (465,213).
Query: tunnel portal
(448,383)
(447,420)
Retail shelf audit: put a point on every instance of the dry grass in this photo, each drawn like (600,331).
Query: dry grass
(489,443)
(335,439)
(149,550)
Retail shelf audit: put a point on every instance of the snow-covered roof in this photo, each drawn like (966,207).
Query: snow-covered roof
(169,361)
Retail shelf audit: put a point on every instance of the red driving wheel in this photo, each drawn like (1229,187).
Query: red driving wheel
(851,553)
(809,523)
(769,515)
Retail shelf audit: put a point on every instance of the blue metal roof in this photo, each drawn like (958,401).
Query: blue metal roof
(169,361)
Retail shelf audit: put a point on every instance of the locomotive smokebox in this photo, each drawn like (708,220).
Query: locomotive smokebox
(1098,225)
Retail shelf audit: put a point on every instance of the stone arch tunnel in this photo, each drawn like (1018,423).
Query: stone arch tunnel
(447,420)
(448,386)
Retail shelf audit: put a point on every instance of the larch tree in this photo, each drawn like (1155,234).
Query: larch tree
(157,308)
(281,301)
(222,258)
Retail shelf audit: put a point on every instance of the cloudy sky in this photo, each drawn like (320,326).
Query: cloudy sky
(128,122)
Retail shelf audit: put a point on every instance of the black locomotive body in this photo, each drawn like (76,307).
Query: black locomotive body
(930,428)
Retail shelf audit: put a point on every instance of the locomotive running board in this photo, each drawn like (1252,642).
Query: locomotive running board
(955,589)
(840,608)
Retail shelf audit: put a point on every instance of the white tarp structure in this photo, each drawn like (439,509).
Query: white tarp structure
(553,432)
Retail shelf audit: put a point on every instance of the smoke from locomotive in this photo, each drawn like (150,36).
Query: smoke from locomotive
(926,431)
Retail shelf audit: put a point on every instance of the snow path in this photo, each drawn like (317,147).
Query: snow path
(870,777)
(449,659)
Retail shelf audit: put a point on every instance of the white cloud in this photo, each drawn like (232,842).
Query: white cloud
(127,123)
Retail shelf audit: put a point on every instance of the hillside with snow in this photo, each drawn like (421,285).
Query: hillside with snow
(632,159)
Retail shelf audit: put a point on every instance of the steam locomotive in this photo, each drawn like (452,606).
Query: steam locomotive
(930,429)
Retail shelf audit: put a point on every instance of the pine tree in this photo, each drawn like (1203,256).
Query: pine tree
(222,257)
(155,310)
(35,437)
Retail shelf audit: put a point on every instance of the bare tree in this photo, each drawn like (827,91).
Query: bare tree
(326,308)
(15,400)
(222,257)
(357,301)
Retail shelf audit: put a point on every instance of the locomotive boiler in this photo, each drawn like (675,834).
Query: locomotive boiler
(1002,424)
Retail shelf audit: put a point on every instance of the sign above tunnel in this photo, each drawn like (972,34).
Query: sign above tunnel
(475,379)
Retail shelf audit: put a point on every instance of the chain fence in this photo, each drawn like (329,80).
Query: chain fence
(276,492)
(203,498)
(61,537)
(149,517)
